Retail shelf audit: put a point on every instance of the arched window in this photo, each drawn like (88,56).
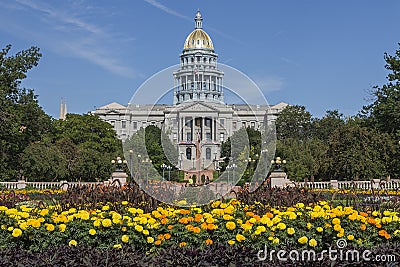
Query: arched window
(208,153)
(188,153)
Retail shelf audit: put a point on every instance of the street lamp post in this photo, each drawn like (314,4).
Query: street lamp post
(278,163)
(139,157)
(163,167)
(169,168)
(130,162)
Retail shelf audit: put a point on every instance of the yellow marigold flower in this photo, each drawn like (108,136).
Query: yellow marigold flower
(261,228)
(275,240)
(302,240)
(10,228)
(146,232)
(320,229)
(16,232)
(44,212)
(72,243)
(215,204)
(182,244)
(312,243)
(92,232)
(50,227)
(291,231)
(23,226)
(125,238)
(253,220)
(240,237)
(300,205)
(62,227)
(309,225)
(106,222)
(105,208)
(340,234)
(139,228)
(96,223)
(350,237)
(231,242)
(117,246)
(124,202)
(336,221)
(337,227)
(150,239)
(281,226)
(230,225)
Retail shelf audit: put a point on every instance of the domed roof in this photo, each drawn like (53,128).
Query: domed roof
(198,39)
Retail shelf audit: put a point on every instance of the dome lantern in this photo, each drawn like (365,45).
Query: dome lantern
(198,20)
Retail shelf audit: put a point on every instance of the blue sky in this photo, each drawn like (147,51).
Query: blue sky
(324,55)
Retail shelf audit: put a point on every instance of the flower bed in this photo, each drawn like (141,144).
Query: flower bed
(233,222)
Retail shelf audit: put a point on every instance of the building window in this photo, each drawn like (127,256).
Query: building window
(208,122)
(253,124)
(208,136)
(144,124)
(234,125)
(208,153)
(112,123)
(188,153)
(188,121)
(135,125)
(222,122)
(189,137)
(222,137)
(244,124)
(175,136)
(123,124)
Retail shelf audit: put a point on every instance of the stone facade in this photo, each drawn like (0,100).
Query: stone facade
(198,113)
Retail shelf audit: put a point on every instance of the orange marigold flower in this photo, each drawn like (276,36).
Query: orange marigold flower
(158,242)
(270,215)
(164,220)
(250,214)
(371,221)
(257,217)
(170,227)
(196,230)
(387,236)
(160,237)
(167,236)
(363,227)
(382,232)
(183,220)
(211,226)
(209,242)
(378,225)
(364,214)
(198,217)
(183,211)
(204,225)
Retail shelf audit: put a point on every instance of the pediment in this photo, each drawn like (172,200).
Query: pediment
(113,106)
(199,107)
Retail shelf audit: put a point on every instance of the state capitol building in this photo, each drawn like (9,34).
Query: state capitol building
(199,112)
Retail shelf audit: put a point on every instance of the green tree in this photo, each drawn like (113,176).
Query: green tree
(153,144)
(22,121)
(357,152)
(293,122)
(88,145)
(384,111)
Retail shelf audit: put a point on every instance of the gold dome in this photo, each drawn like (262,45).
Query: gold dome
(198,39)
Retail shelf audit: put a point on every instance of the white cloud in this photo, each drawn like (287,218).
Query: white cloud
(66,32)
(167,9)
